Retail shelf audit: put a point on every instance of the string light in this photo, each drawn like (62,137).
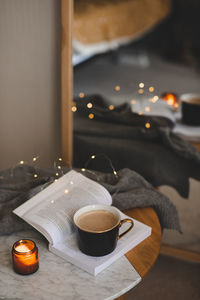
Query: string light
(21,162)
(98,155)
(59,167)
(155,99)
(74,108)
(57,174)
(141,85)
(60,159)
(147,108)
(83,170)
(35,158)
(111,107)
(140,91)
(35,175)
(117,88)
(52,201)
(89,105)
(133,101)
(91,116)
(151,89)
(147,125)
(66,191)
(81,95)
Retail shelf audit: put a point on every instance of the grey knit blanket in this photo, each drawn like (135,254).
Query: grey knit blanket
(128,190)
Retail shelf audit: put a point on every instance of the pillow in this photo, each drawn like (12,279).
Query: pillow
(102,25)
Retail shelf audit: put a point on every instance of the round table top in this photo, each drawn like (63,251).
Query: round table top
(58,279)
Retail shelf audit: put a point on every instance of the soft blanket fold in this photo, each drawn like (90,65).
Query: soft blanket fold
(128,190)
(159,155)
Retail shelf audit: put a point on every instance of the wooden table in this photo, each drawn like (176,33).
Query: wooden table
(143,256)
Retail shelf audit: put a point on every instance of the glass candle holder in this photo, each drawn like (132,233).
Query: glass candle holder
(25,257)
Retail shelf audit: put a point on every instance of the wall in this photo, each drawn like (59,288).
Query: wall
(29,81)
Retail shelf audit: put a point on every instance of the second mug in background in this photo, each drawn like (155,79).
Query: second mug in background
(97,228)
(191,109)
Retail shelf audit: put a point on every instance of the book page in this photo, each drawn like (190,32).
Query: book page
(51,211)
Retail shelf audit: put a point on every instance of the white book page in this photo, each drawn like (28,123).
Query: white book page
(51,211)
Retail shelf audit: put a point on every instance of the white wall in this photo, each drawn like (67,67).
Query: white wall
(29,81)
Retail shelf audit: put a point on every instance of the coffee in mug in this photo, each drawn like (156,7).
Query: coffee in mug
(97,228)
(97,220)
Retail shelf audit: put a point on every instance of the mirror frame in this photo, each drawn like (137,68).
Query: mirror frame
(66,82)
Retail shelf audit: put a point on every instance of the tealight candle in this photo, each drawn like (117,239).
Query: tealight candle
(171,99)
(25,257)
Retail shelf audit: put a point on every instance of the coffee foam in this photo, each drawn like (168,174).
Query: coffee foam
(97,220)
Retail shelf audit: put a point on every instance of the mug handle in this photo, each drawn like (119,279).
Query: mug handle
(123,222)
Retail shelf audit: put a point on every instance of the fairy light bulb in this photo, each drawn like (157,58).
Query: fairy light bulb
(60,159)
(155,99)
(141,85)
(147,125)
(93,157)
(147,108)
(74,108)
(91,116)
(21,162)
(111,107)
(35,175)
(83,170)
(140,91)
(117,88)
(151,89)
(81,95)
(89,105)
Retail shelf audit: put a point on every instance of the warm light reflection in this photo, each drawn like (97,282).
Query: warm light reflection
(151,89)
(147,108)
(171,99)
(89,105)
(140,91)
(74,108)
(111,107)
(81,95)
(141,85)
(91,116)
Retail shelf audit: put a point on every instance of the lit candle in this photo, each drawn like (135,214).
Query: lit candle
(171,99)
(25,257)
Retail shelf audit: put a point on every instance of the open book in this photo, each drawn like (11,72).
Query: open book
(51,213)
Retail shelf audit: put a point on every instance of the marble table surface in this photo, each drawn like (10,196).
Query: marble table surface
(58,279)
